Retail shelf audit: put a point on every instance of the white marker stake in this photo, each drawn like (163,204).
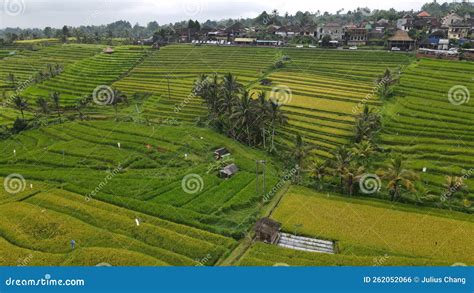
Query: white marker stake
(137,221)
(425,169)
(31,186)
(118,144)
(186,156)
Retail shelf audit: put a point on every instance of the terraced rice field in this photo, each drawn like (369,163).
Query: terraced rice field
(424,126)
(8,115)
(179,66)
(142,179)
(81,78)
(323,90)
(24,64)
(367,233)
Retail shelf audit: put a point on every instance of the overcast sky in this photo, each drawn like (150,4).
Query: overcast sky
(56,13)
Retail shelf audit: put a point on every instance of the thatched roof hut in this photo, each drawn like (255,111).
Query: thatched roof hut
(108,50)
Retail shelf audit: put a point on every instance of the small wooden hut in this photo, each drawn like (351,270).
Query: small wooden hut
(108,50)
(228,171)
(221,153)
(267,230)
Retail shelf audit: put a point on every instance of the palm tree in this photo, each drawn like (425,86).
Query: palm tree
(319,170)
(398,177)
(453,186)
(20,104)
(263,115)
(340,162)
(300,152)
(276,118)
(81,104)
(363,151)
(56,98)
(243,115)
(118,98)
(230,89)
(352,175)
(43,105)
(213,95)
(384,84)
(11,79)
(368,122)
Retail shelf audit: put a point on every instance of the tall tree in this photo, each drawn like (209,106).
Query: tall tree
(276,118)
(20,104)
(42,104)
(385,84)
(398,177)
(56,99)
(118,98)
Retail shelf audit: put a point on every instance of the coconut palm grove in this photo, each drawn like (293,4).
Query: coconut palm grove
(307,139)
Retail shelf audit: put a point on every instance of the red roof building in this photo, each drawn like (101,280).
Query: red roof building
(423,14)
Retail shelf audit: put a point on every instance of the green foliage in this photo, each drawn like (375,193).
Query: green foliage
(233,110)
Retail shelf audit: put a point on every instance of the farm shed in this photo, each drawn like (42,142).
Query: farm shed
(221,153)
(244,41)
(401,40)
(108,50)
(267,230)
(228,171)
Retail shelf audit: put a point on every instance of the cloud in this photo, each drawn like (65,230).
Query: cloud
(56,13)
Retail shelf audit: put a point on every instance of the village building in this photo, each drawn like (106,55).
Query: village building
(332,29)
(235,30)
(218,35)
(402,41)
(405,23)
(269,43)
(267,230)
(436,41)
(354,36)
(451,19)
(459,30)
